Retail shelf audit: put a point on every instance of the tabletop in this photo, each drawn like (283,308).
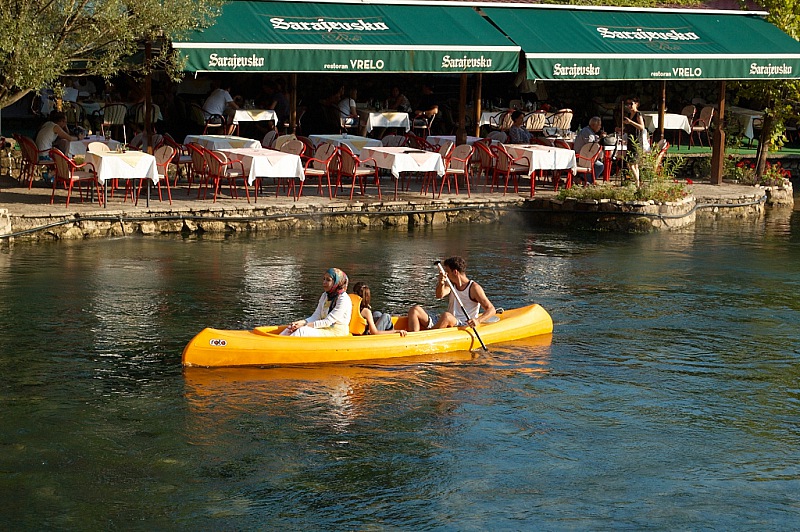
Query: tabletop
(128,165)
(746,118)
(544,157)
(255,115)
(370,119)
(354,142)
(671,121)
(403,159)
(78,147)
(222,142)
(262,162)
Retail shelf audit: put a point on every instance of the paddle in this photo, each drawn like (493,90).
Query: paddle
(460,304)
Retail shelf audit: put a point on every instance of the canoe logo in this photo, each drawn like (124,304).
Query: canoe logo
(218,342)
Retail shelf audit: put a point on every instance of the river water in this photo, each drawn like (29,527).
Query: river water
(667,397)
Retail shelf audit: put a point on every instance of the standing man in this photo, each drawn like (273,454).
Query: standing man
(470,292)
(587,135)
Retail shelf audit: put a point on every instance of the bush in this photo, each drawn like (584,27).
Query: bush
(743,171)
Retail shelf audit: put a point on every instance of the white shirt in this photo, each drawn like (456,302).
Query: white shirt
(346,105)
(217,102)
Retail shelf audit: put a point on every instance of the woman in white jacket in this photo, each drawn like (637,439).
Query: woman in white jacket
(332,316)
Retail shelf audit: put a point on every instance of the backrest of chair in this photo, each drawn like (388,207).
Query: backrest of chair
(97,147)
(283,139)
(164,155)
(535,121)
(308,143)
(196,114)
(662,145)
(561,143)
(114,114)
(269,139)
(497,120)
(137,113)
(688,111)
(393,140)
(348,163)
(461,156)
(503,161)
(706,115)
(217,162)
(498,136)
(485,154)
(588,154)
(445,148)
(30,152)
(75,113)
(293,146)
(562,119)
(62,163)
(507,122)
(325,152)
(209,161)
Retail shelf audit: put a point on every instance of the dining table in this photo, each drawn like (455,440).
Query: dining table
(370,119)
(130,165)
(492,117)
(355,142)
(222,142)
(79,147)
(672,121)
(403,159)
(255,115)
(264,162)
(544,157)
(746,117)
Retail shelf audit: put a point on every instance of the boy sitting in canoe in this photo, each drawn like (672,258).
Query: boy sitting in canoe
(470,292)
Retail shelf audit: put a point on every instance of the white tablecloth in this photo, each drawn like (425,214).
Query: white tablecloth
(486,117)
(402,159)
(671,121)
(222,142)
(128,165)
(354,142)
(78,147)
(255,115)
(746,117)
(369,120)
(267,163)
(544,157)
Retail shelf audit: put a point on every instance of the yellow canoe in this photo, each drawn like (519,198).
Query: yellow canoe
(263,346)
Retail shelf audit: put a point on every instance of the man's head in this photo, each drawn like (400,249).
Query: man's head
(596,123)
(517,116)
(456,264)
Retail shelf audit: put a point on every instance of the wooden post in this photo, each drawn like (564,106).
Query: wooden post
(293,103)
(461,131)
(477,104)
(718,147)
(662,110)
(148,96)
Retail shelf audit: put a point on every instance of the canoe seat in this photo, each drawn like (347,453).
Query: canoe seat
(357,322)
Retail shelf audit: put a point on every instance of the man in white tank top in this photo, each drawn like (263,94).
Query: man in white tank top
(470,292)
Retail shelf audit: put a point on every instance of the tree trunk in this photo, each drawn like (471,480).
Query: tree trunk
(764,144)
(10,97)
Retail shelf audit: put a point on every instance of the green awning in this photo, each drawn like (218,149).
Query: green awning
(638,44)
(326,37)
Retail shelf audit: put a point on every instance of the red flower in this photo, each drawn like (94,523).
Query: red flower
(689,182)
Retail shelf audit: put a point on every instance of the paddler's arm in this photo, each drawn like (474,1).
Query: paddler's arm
(442,288)
(477,294)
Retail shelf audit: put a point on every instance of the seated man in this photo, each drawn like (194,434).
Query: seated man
(220,102)
(54,134)
(470,293)
(587,135)
(347,109)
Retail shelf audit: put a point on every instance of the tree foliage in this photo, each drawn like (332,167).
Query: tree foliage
(780,99)
(41,40)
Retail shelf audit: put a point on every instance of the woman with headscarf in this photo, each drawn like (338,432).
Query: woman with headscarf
(332,317)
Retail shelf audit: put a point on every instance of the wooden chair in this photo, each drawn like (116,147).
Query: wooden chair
(309,147)
(280,141)
(351,166)
(458,165)
(67,173)
(199,168)
(534,122)
(510,167)
(486,159)
(499,136)
(269,139)
(164,156)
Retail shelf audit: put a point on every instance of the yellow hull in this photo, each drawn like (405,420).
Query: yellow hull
(263,346)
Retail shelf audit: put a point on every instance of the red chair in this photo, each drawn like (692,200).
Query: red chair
(586,159)
(350,166)
(220,169)
(323,164)
(30,159)
(199,168)
(486,159)
(68,173)
(182,159)
(510,167)
(457,166)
